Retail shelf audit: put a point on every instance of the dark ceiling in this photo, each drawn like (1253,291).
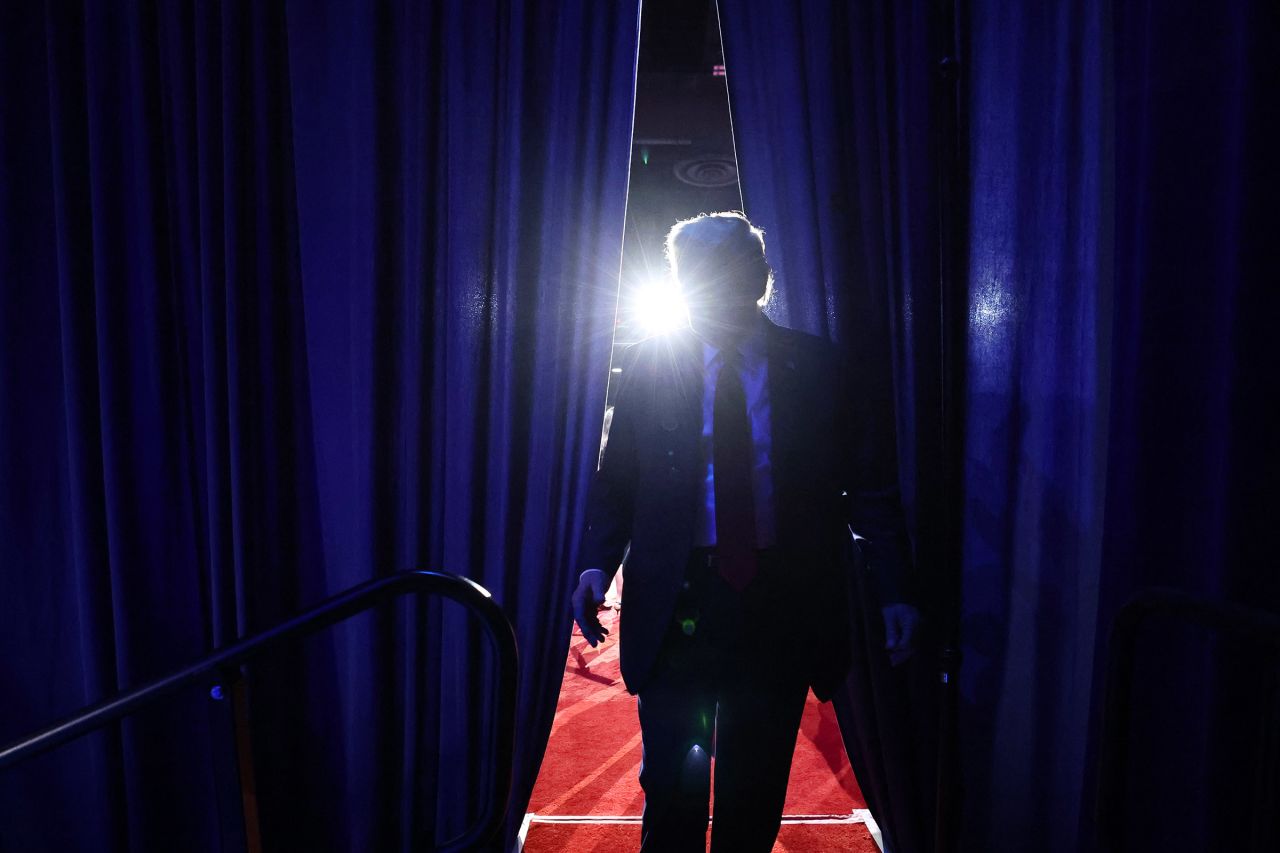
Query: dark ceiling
(679,36)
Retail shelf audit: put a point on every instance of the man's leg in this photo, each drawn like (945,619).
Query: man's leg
(756,728)
(677,712)
(762,693)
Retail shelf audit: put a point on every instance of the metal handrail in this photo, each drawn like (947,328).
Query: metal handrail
(1234,620)
(341,606)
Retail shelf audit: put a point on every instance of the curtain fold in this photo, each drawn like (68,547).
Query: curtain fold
(1038,80)
(833,130)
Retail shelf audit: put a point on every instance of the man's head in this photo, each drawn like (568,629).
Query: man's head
(718,259)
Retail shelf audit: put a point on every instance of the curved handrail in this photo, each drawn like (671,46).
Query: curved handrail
(329,612)
(1237,621)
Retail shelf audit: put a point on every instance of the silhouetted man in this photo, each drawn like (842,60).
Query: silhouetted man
(736,464)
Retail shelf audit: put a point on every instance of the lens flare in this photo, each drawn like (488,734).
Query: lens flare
(659,308)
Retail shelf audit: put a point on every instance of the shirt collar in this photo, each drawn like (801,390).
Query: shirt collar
(752,347)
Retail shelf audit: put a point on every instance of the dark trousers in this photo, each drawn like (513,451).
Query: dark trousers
(726,682)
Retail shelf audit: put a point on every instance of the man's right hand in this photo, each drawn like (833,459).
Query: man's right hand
(587,599)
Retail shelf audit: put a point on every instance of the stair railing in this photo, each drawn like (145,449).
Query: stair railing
(1234,621)
(342,606)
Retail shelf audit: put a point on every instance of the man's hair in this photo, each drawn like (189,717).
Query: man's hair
(720,248)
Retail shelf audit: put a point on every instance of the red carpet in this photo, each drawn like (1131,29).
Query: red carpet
(592,765)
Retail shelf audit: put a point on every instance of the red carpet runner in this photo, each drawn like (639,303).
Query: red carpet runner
(588,795)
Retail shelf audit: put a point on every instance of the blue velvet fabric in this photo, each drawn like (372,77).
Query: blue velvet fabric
(1191,497)
(1038,371)
(158,484)
(1123,174)
(296,294)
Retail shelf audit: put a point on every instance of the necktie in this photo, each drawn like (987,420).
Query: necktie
(731,458)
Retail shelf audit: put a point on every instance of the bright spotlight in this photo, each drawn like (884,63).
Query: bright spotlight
(659,309)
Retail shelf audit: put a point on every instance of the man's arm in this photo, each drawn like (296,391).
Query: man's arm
(611,500)
(610,505)
(874,507)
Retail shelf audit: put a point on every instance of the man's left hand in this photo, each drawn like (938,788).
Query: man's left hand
(900,621)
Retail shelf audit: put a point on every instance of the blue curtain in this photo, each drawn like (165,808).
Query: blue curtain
(1039,290)
(157,495)
(295,295)
(1123,186)
(1191,498)
(832,117)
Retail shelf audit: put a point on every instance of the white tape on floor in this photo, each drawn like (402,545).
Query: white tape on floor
(856,816)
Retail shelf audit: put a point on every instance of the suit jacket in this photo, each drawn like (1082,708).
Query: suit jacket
(827,479)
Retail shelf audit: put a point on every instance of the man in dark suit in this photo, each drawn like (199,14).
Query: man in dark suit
(736,465)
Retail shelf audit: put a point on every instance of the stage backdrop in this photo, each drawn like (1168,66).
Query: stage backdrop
(296,295)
